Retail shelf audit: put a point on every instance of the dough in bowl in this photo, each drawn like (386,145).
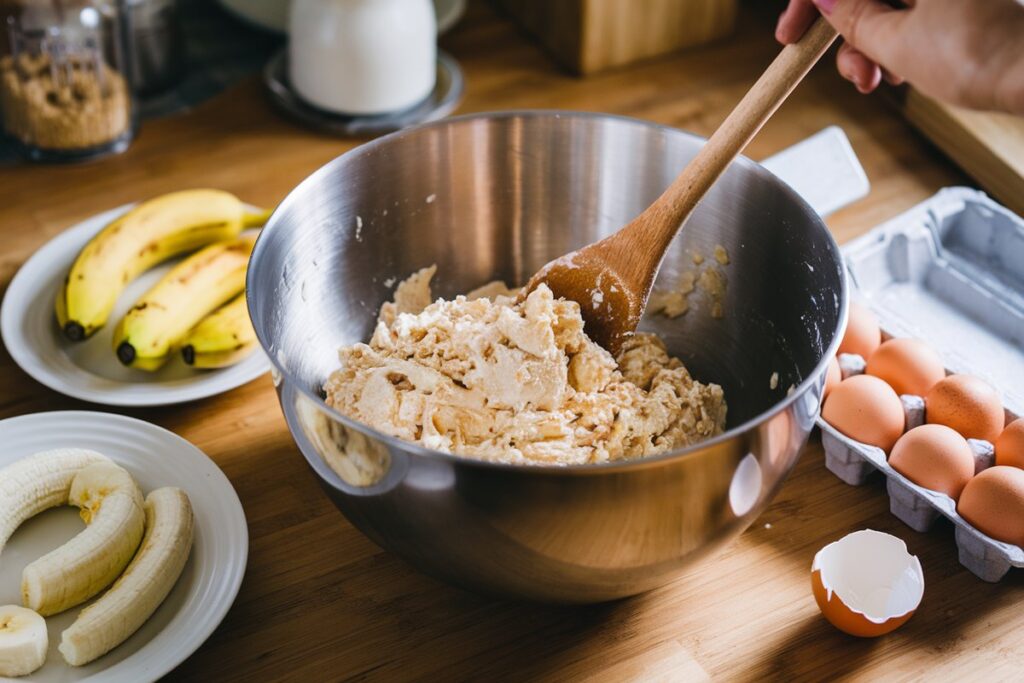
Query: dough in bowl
(485,377)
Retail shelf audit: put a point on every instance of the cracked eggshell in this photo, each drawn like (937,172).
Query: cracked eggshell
(866,583)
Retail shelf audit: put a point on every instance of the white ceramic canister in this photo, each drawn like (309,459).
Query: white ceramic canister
(363,56)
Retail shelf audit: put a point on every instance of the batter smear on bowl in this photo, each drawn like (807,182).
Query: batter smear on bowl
(484,377)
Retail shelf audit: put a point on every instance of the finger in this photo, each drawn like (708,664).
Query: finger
(891,78)
(855,67)
(795,20)
(872,26)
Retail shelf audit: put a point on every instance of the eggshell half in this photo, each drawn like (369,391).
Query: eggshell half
(1010,444)
(866,583)
(866,409)
(909,366)
(935,457)
(863,335)
(967,404)
(993,503)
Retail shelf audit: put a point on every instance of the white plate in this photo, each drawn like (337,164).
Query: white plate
(155,457)
(272,15)
(89,370)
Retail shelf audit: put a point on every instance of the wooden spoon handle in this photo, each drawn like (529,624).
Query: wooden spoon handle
(663,218)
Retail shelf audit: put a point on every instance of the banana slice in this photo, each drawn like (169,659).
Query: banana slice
(109,621)
(112,506)
(37,483)
(23,641)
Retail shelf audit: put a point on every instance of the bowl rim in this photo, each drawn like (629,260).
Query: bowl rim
(590,468)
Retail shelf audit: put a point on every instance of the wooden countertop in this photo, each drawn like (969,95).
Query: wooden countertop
(321,602)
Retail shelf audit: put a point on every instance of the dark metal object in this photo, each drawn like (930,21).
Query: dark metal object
(156,55)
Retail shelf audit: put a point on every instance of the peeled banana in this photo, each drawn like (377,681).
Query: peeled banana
(157,323)
(112,506)
(37,483)
(149,578)
(23,641)
(222,338)
(148,234)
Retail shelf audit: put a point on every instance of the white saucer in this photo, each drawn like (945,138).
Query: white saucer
(89,370)
(156,458)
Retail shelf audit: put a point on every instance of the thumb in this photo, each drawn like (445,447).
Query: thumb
(871,26)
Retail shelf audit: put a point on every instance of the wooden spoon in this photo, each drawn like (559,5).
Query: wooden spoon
(612,279)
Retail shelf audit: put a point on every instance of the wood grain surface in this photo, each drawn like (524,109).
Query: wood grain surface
(988,145)
(588,36)
(320,602)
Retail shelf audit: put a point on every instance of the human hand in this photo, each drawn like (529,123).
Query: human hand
(966,53)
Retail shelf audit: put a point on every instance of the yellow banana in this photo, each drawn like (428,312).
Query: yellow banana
(222,338)
(155,569)
(112,506)
(200,284)
(39,482)
(148,234)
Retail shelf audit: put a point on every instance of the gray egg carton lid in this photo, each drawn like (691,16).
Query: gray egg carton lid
(949,271)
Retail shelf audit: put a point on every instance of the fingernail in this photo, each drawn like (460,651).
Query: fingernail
(826,6)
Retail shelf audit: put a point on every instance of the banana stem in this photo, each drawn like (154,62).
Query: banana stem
(258,218)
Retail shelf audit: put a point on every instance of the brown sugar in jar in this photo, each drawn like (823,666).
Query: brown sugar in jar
(77,105)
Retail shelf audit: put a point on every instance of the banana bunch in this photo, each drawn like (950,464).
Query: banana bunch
(151,233)
(139,546)
(155,326)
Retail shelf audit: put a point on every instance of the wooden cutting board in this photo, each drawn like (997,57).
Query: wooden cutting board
(588,36)
(988,146)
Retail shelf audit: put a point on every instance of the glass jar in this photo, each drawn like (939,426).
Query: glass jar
(64,93)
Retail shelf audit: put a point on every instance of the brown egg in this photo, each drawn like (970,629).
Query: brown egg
(866,409)
(935,457)
(833,376)
(968,405)
(1010,444)
(862,332)
(909,366)
(993,502)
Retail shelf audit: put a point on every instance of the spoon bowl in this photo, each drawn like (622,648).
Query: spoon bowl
(612,279)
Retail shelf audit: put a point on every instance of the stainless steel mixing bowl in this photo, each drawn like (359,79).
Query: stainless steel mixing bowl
(497,196)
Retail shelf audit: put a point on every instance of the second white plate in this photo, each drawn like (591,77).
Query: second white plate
(155,457)
(89,370)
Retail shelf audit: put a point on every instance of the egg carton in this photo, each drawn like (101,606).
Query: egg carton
(950,271)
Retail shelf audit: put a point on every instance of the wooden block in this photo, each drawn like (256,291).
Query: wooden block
(988,146)
(587,36)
